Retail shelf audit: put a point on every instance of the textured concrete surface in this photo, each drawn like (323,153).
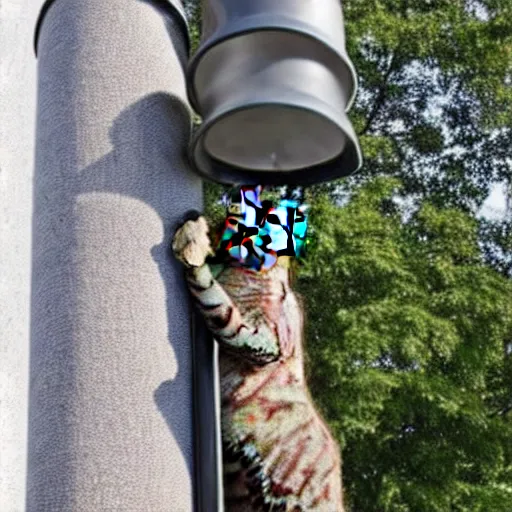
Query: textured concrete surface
(17,121)
(110,423)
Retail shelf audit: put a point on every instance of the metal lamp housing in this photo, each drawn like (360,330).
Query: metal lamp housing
(273,82)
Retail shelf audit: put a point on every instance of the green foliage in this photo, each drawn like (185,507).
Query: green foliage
(435,106)
(409,358)
(193,12)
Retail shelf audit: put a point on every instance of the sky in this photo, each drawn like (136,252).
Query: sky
(495,206)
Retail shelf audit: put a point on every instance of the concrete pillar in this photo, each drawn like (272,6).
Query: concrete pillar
(17,120)
(111,420)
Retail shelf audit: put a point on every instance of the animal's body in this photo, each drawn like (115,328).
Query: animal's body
(278,454)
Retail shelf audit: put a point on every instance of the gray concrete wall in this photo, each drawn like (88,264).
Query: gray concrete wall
(17,121)
(110,425)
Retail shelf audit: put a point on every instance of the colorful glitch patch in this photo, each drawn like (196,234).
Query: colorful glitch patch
(255,233)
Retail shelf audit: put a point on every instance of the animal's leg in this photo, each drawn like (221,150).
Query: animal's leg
(258,342)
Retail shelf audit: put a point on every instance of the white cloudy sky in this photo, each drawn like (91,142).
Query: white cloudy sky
(496,205)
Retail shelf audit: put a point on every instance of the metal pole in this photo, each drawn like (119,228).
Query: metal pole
(17,119)
(111,421)
(209,490)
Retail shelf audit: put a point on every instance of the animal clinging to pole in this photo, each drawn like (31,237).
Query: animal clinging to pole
(278,454)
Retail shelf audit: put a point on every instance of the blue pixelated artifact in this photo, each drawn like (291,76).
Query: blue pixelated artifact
(256,233)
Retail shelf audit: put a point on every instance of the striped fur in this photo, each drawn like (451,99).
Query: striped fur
(278,453)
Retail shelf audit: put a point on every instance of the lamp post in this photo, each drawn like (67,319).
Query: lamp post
(111,405)
(273,82)
(110,420)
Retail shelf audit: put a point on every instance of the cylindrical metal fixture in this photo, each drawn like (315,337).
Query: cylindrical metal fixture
(273,82)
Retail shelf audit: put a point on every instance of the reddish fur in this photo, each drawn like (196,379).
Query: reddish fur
(269,422)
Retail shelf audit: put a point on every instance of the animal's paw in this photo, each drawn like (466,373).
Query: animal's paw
(191,244)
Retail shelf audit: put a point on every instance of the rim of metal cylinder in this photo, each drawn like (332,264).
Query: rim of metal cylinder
(215,41)
(167,6)
(221,172)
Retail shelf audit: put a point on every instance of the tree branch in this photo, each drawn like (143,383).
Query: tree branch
(381,97)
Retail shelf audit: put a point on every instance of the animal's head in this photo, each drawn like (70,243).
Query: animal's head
(256,234)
